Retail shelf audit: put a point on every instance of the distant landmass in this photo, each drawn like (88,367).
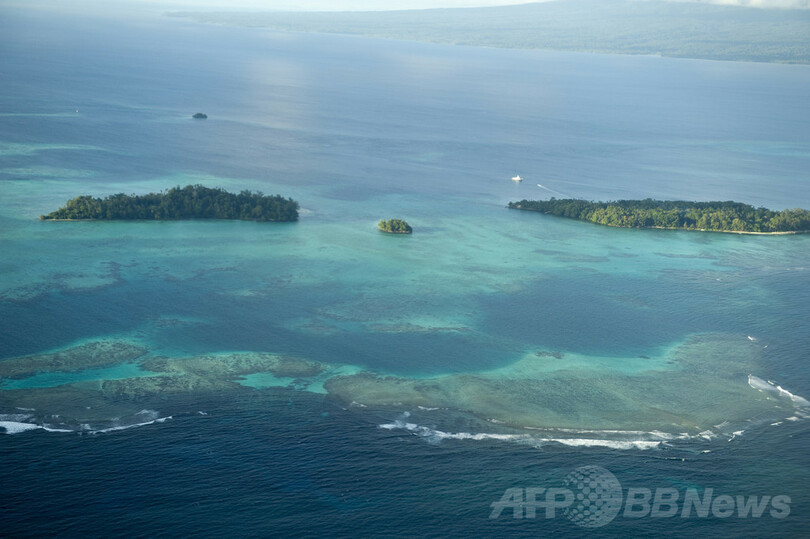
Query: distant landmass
(199,116)
(675,214)
(685,30)
(189,202)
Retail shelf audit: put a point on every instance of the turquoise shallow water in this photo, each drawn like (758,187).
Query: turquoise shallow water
(431,134)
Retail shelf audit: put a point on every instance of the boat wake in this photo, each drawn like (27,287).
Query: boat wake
(552,191)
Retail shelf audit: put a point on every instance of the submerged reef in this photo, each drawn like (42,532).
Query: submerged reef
(697,388)
(78,358)
(690,389)
(111,403)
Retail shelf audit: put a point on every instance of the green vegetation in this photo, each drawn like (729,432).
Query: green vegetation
(189,202)
(394,226)
(678,214)
(685,30)
(200,116)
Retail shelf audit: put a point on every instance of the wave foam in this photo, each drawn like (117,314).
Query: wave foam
(16,423)
(609,438)
(15,427)
(125,427)
(613,444)
(770,387)
(436,436)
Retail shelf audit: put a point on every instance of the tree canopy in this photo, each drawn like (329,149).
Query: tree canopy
(394,226)
(717,216)
(189,202)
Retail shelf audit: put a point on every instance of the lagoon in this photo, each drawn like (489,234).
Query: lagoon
(355,128)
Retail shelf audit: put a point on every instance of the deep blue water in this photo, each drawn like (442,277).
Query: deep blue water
(359,129)
(288,465)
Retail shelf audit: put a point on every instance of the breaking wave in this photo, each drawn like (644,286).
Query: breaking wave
(615,439)
(433,435)
(18,423)
(770,387)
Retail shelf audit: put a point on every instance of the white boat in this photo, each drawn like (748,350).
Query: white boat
(517,178)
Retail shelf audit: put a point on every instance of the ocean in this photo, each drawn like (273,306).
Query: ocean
(412,381)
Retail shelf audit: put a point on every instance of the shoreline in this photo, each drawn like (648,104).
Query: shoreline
(783,233)
(743,232)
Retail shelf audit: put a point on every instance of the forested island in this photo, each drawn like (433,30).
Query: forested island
(394,226)
(189,202)
(674,214)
